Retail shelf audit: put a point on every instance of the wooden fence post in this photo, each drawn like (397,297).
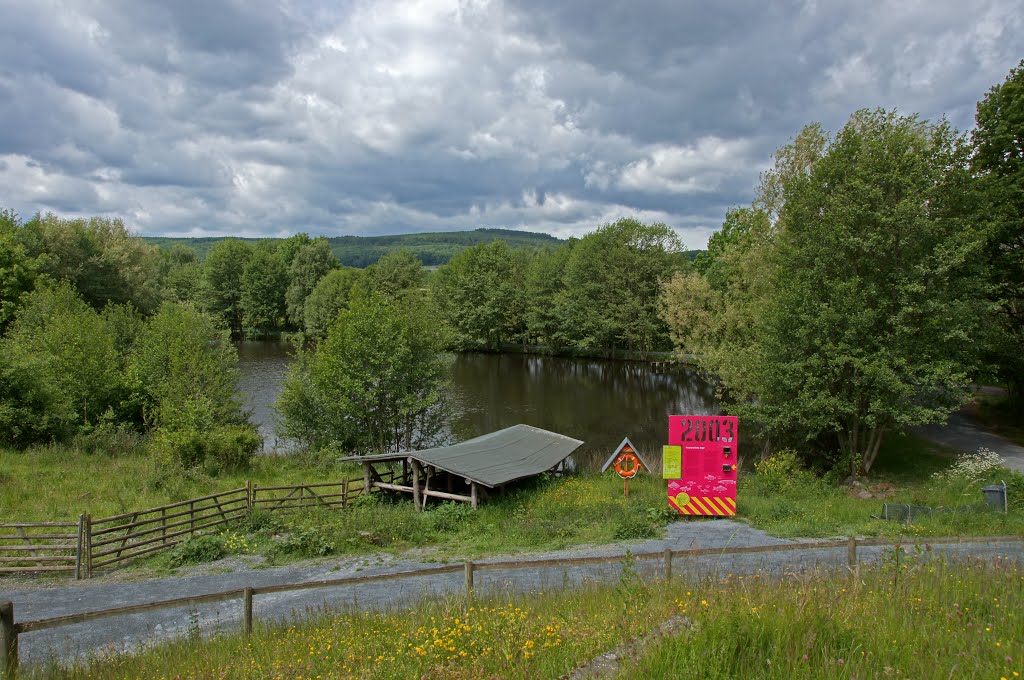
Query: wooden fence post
(191,518)
(247,611)
(248,497)
(469,581)
(668,564)
(851,554)
(8,641)
(87,541)
(78,550)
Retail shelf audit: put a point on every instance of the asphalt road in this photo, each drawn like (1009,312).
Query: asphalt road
(45,599)
(963,433)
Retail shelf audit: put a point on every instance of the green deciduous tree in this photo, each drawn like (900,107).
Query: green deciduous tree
(375,384)
(544,272)
(184,366)
(310,264)
(395,274)
(264,283)
(612,282)
(329,297)
(60,367)
(103,260)
(849,309)
(221,291)
(998,162)
(482,295)
(18,269)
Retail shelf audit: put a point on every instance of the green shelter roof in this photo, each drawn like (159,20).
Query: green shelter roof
(496,458)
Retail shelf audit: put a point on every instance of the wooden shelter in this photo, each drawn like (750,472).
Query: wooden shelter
(484,464)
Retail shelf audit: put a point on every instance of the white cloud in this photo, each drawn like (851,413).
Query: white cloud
(269,117)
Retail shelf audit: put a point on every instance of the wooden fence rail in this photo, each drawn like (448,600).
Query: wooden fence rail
(40,546)
(88,544)
(11,629)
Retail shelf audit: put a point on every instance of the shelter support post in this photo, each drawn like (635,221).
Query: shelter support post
(474,495)
(415,484)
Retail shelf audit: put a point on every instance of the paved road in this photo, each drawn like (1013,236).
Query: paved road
(36,601)
(964,433)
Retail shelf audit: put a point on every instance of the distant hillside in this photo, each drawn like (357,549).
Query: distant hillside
(361,251)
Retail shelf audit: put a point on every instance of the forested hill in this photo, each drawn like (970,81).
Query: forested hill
(361,251)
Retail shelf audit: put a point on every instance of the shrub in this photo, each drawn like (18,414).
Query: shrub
(972,466)
(308,541)
(450,517)
(197,550)
(782,471)
(220,448)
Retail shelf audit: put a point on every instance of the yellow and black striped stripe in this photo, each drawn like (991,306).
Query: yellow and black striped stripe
(705,505)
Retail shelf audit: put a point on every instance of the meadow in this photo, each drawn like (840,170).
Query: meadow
(907,617)
(551,513)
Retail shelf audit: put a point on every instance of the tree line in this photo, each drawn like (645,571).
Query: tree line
(877,272)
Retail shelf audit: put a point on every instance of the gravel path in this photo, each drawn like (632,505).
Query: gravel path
(36,600)
(964,433)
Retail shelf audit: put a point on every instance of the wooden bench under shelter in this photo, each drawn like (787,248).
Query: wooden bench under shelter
(485,464)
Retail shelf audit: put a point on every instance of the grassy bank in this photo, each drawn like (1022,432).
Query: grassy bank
(961,620)
(54,483)
(548,514)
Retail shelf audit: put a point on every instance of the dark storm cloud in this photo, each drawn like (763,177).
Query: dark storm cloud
(268,116)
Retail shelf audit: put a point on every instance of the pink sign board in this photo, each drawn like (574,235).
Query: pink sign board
(707,483)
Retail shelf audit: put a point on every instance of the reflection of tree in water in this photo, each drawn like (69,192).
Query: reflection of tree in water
(597,401)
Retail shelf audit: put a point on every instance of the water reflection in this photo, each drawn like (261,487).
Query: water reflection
(597,401)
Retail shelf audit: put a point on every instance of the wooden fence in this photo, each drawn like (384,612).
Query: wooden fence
(88,544)
(41,546)
(11,629)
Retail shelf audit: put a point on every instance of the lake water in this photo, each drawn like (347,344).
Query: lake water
(597,401)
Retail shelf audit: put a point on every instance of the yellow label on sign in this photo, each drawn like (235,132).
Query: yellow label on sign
(671,462)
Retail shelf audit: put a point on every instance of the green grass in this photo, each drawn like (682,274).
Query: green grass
(802,505)
(899,620)
(55,483)
(962,620)
(58,483)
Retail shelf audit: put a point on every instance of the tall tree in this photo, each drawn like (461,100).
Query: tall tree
(866,322)
(60,367)
(613,279)
(264,283)
(999,165)
(329,298)
(18,269)
(222,281)
(310,264)
(395,273)
(104,261)
(481,294)
(375,384)
(544,272)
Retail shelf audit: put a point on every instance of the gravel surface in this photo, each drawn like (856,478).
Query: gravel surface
(43,599)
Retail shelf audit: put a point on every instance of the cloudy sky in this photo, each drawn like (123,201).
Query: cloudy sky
(267,117)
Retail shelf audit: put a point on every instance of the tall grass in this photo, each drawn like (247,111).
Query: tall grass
(897,619)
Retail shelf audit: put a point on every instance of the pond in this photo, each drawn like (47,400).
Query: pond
(594,400)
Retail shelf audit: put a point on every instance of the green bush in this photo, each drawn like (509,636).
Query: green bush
(308,541)
(450,517)
(197,550)
(217,449)
(782,471)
